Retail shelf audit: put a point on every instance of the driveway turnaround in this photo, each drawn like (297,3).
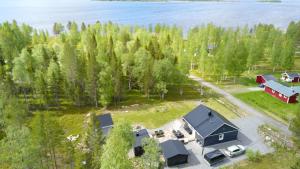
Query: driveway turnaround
(260,117)
(248,137)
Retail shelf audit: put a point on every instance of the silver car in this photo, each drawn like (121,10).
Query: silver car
(235,150)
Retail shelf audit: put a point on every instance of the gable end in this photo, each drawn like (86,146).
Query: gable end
(223,129)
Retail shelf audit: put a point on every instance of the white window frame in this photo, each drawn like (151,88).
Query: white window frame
(221,136)
(273,91)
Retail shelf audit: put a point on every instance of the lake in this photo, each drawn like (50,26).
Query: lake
(43,13)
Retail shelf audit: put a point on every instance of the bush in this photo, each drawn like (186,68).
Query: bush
(296,165)
(253,156)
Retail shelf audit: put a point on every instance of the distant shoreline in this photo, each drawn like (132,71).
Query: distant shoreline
(262,1)
(269,1)
(170,0)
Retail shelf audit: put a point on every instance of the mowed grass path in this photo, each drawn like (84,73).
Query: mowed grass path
(270,105)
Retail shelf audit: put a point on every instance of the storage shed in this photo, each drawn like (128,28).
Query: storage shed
(209,127)
(281,92)
(174,152)
(261,79)
(138,145)
(106,123)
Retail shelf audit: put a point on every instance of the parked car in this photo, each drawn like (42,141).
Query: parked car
(214,157)
(235,150)
(178,134)
(187,129)
(159,133)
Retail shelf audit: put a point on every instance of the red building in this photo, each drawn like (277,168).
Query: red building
(261,79)
(284,93)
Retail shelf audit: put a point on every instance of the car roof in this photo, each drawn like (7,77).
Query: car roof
(232,148)
(213,154)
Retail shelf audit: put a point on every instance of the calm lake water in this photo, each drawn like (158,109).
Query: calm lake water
(43,13)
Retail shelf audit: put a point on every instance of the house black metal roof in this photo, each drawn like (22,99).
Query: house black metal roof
(287,91)
(205,120)
(105,120)
(139,136)
(269,77)
(172,148)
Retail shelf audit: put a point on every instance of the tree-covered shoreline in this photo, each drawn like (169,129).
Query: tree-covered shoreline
(96,65)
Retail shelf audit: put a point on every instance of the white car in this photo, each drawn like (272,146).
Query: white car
(235,150)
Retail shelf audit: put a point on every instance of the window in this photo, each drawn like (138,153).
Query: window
(221,137)
(273,91)
(280,95)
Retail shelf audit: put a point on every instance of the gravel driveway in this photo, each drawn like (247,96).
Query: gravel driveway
(257,116)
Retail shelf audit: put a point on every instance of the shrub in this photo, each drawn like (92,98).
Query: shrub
(253,156)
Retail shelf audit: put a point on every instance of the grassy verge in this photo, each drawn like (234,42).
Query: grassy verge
(270,105)
(280,159)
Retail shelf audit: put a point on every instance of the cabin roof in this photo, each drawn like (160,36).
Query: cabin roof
(139,136)
(205,120)
(287,91)
(105,120)
(292,75)
(269,77)
(172,148)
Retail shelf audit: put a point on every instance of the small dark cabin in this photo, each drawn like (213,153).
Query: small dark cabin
(106,123)
(138,145)
(174,152)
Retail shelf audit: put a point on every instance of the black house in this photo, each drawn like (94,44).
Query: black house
(138,145)
(209,127)
(106,123)
(174,152)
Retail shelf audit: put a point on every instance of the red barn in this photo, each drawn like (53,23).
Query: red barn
(284,93)
(261,79)
(290,77)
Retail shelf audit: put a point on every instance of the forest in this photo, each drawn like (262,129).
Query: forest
(97,65)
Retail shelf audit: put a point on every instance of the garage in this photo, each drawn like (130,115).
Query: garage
(174,152)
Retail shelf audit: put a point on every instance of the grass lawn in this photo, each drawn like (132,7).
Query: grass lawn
(154,116)
(150,112)
(281,159)
(247,79)
(268,104)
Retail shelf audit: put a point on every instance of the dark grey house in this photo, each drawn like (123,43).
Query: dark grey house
(138,145)
(174,152)
(106,123)
(209,127)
